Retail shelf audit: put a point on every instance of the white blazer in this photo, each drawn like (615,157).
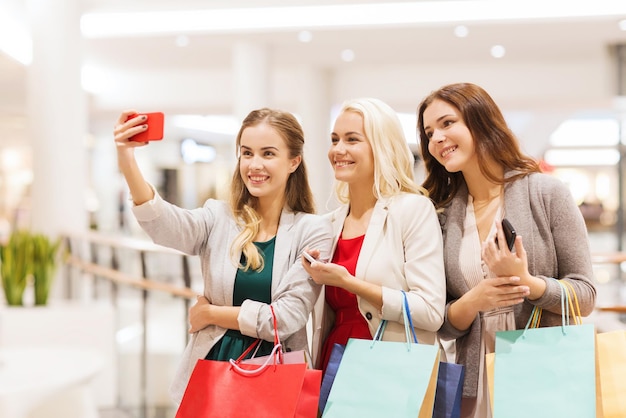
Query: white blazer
(208,232)
(402,250)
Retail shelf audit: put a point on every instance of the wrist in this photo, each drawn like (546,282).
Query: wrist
(208,313)
(536,285)
(469,303)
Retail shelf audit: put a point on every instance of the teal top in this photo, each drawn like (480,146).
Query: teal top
(253,285)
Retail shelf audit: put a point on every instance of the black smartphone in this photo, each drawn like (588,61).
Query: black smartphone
(509,233)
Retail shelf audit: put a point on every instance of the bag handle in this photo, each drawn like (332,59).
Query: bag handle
(256,371)
(573,302)
(569,308)
(408,321)
(408,325)
(276,355)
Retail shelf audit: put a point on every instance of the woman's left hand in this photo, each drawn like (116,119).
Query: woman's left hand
(500,260)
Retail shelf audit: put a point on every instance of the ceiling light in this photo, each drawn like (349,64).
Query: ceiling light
(461,31)
(498,51)
(305,36)
(347,55)
(182,41)
(331,16)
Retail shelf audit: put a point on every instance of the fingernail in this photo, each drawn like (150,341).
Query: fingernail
(144,117)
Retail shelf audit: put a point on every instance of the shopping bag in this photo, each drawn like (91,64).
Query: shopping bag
(218,389)
(289,357)
(331,371)
(611,348)
(383,378)
(236,389)
(309,396)
(449,390)
(490,359)
(546,372)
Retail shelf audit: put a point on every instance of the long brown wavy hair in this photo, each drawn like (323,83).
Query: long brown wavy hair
(493,141)
(298,195)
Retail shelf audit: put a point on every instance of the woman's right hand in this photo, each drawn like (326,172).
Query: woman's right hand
(497,292)
(125,129)
(487,295)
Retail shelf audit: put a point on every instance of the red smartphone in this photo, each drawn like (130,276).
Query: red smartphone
(155,127)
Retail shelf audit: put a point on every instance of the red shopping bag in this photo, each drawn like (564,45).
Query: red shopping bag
(219,389)
(310,394)
(236,389)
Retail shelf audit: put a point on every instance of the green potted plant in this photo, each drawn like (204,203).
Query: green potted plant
(45,252)
(15,266)
(28,255)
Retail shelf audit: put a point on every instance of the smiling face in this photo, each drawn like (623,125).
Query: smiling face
(350,153)
(450,141)
(265,164)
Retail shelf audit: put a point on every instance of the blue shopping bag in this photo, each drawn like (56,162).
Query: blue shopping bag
(331,371)
(449,390)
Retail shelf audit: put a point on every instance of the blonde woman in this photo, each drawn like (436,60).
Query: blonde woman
(387,237)
(249,248)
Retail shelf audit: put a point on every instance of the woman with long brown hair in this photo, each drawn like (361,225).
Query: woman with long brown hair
(477,175)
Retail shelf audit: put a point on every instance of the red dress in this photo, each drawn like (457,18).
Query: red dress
(349,323)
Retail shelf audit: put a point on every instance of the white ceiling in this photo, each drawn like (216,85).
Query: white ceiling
(553,68)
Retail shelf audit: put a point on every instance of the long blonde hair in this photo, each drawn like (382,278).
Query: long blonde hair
(298,196)
(393,159)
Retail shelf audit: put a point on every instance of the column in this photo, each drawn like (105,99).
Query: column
(314,106)
(251,78)
(57,118)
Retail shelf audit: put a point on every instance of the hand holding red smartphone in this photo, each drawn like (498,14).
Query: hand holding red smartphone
(155,121)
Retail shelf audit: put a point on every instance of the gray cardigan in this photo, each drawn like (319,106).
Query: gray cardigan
(208,232)
(543,212)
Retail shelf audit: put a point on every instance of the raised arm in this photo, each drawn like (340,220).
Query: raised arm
(140,191)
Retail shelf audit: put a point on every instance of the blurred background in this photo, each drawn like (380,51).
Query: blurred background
(69,67)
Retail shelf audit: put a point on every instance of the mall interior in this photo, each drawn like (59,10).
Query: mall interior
(108,339)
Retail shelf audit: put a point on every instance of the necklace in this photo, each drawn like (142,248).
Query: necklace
(484,214)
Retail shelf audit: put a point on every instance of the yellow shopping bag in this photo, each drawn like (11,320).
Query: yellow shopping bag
(611,349)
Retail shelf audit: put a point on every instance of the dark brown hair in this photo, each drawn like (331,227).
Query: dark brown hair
(493,141)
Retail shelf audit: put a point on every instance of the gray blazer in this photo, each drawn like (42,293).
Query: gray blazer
(543,212)
(208,232)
